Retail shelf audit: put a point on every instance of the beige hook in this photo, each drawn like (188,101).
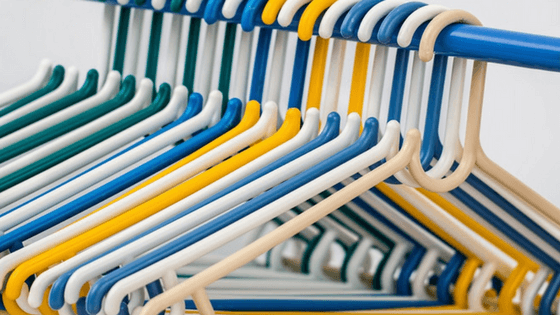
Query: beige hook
(472,139)
(435,27)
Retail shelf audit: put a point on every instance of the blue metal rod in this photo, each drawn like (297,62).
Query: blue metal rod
(459,40)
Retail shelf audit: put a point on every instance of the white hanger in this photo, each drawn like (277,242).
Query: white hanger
(414,20)
(68,86)
(133,43)
(106,42)
(288,10)
(241,73)
(158,4)
(39,80)
(172,57)
(205,69)
(259,130)
(108,91)
(141,99)
(374,15)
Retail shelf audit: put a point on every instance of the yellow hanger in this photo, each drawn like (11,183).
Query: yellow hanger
(249,119)
(69,248)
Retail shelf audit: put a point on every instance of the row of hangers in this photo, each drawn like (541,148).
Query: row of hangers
(115,197)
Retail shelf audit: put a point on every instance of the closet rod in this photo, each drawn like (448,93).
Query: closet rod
(459,40)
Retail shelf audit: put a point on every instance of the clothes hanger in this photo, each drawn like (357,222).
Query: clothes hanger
(62,89)
(40,80)
(269,111)
(335,20)
(24,167)
(88,89)
(527,193)
(306,26)
(323,203)
(54,82)
(108,91)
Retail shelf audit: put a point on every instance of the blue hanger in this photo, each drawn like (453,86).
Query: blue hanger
(330,131)
(98,291)
(230,119)
(251,14)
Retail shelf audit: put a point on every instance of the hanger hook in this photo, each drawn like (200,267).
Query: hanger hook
(428,41)
(472,139)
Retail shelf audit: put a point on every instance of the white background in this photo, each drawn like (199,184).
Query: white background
(521,118)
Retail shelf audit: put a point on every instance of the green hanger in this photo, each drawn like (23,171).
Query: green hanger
(54,82)
(153,48)
(120,43)
(31,170)
(192,50)
(227,61)
(124,95)
(88,89)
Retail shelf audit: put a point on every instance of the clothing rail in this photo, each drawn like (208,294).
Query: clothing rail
(459,40)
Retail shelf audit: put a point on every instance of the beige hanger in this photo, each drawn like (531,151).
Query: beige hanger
(473,149)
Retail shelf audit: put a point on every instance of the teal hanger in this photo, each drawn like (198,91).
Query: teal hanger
(120,43)
(35,168)
(192,51)
(88,89)
(70,124)
(227,62)
(54,82)
(153,47)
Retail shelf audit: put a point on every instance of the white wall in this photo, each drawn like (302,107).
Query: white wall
(521,129)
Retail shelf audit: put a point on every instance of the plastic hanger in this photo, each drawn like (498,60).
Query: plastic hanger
(66,87)
(210,106)
(54,82)
(38,81)
(88,89)
(108,91)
